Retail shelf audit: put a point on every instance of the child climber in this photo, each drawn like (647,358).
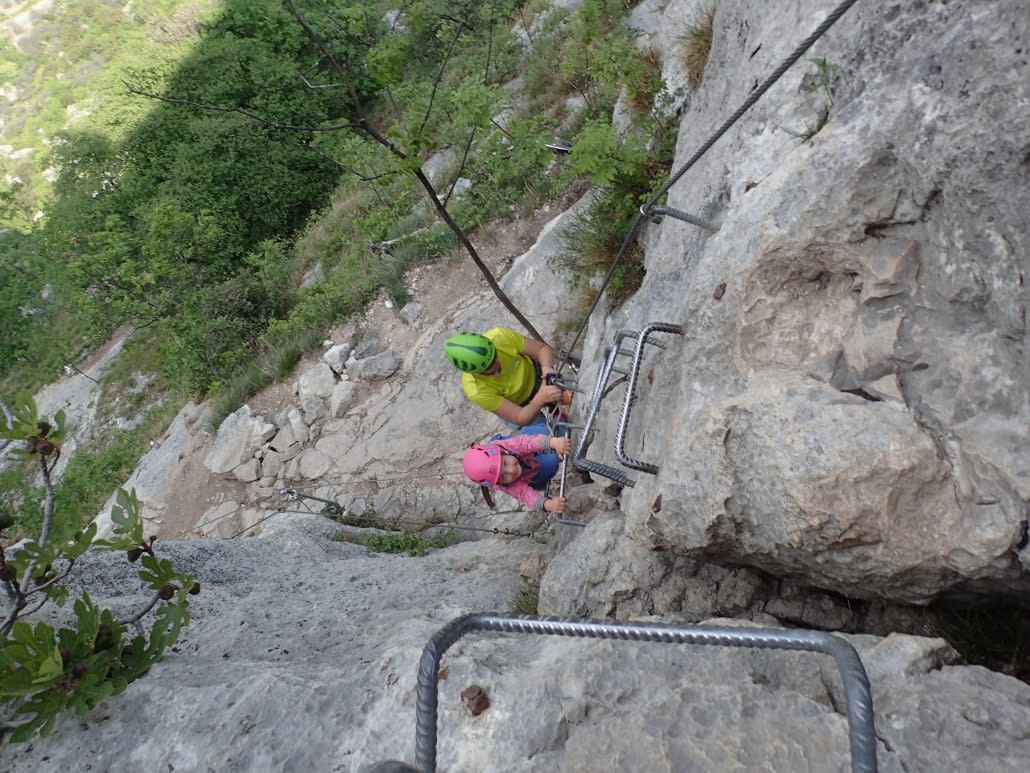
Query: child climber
(520,466)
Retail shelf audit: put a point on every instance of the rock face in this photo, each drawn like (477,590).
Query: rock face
(302,655)
(849,403)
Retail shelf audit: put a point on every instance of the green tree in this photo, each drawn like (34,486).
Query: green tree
(44,671)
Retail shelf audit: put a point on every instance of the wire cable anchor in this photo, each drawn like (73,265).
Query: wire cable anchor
(655,212)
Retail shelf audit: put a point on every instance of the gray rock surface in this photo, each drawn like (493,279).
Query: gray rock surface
(336,357)
(411,312)
(375,368)
(303,651)
(849,402)
(316,382)
(238,437)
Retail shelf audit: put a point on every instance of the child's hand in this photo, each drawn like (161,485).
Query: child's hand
(561,445)
(555,504)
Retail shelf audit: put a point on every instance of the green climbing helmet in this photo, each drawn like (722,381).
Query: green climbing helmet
(470,352)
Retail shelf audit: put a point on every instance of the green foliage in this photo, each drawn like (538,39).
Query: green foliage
(408,542)
(39,335)
(164,210)
(595,54)
(26,424)
(643,80)
(526,601)
(599,153)
(625,171)
(89,479)
(825,78)
(275,363)
(98,45)
(219,328)
(46,672)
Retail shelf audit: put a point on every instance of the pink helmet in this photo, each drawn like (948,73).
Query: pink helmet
(483,465)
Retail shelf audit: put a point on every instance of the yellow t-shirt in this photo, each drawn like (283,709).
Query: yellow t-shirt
(516,380)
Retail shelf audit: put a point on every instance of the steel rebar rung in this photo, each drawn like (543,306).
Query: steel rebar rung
(620,433)
(858,697)
(657,211)
(612,353)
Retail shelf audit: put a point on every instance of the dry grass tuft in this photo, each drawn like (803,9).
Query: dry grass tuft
(697,44)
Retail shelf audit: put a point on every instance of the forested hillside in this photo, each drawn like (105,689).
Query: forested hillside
(178,199)
(230,180)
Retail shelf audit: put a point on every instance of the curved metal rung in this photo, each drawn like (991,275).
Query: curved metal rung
(603,469)
(620,433)
(858,698)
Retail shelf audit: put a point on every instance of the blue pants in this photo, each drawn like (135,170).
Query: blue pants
(548,460)
(538,421)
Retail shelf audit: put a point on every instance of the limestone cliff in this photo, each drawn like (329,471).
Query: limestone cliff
(845,413)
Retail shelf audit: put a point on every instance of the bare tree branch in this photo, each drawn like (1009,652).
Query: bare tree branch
(439,76)
(53,580)
(349,170)
(146,608)
(48,507)
(365,126)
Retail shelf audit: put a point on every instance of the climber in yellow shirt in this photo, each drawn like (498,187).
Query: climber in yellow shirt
(505,373)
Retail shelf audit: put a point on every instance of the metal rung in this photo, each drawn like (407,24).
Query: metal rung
(620,434)
(578,458)
(858,697)
(609,472)
(655,214)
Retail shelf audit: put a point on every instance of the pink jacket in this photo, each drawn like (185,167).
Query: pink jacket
(524,446)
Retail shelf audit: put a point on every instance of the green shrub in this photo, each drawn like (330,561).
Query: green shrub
(625,172)
(408,542)
(275,363)
(526,601)
(45,672)
(643,80)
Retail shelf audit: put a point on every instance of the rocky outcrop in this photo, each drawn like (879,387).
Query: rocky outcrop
(302,654)
(848,404)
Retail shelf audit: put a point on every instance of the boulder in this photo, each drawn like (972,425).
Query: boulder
(375,368)
(239,436)
(336,357)
(318,381)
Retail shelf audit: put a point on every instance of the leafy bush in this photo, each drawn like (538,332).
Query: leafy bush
(624,171)
(43,671)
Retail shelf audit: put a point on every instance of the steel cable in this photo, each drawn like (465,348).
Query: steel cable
(755,95)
